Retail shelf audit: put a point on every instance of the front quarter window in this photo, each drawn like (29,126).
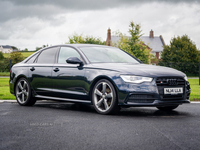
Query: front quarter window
(66,52)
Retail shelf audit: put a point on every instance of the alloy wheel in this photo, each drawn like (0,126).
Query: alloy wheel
(22,91)
(103,96)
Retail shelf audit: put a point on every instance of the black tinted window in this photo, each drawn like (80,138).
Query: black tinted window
(47,56)
(32,59)
(66,52)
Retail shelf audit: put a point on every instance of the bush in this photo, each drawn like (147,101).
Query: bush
(181,54)
(5,65)
(190,69)
(85,40)
(1,56)
(15,57)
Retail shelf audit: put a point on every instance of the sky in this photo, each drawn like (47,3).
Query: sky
(33,23)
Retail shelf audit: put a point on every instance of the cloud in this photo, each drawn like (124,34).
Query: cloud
(27,24)
(12,11)
(46,9)
(94,4)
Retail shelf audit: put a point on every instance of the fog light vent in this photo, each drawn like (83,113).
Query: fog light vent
(141,98)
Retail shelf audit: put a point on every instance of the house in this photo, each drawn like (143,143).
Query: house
(6,49)
(155,43)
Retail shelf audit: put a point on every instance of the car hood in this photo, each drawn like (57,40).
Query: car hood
(138,69)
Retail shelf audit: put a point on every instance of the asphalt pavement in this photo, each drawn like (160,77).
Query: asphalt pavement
(53,125)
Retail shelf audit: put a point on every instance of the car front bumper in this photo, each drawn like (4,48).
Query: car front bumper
(152,94)
(157,103)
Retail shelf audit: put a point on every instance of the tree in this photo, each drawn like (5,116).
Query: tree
(137,46)
(180,49)
(16,57)
(1,56)
(75,39)
(26,49)
(38,48)
(182,54)
(43,46)
(122,43)
(14,48)
(133,44)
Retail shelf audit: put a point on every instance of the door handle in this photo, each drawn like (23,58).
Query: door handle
(56,69)
(32,69)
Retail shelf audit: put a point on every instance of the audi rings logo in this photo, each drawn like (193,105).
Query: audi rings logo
(172,82)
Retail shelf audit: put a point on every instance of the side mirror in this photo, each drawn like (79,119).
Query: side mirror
(74,60)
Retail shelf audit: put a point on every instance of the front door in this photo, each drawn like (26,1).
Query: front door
(68,79)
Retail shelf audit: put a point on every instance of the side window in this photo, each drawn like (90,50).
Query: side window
(66,52)
(47,56)
(32,59)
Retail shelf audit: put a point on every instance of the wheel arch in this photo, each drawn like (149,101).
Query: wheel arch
(17,79)
(100,78)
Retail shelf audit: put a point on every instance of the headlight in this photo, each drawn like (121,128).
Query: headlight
(135,79)
(186,79)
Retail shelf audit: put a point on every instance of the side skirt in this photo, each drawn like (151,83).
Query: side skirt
(63,99)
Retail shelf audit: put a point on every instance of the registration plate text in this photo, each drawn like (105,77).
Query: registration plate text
(173,90)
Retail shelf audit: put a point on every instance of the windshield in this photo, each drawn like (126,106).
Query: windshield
(107,55)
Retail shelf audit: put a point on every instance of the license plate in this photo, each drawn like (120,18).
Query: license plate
(173,90)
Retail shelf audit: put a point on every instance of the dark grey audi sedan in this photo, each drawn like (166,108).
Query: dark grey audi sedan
(107,77)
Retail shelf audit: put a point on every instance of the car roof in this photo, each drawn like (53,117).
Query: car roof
(82,45)
(70,45)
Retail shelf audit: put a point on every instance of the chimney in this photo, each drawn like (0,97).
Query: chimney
(162,40)
(108,40)
(151,34)
(157,55)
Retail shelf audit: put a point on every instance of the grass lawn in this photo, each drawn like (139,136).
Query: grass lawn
(4,73)
(25,54)
(195,87)
(5,91)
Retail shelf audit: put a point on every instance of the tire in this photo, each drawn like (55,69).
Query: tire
(23,93)
(167,108)
(104,97)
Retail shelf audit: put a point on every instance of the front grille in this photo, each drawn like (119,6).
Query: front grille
(166,82)
(170,81)
(141,98)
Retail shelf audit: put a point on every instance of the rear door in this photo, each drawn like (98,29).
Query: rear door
(41,70)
